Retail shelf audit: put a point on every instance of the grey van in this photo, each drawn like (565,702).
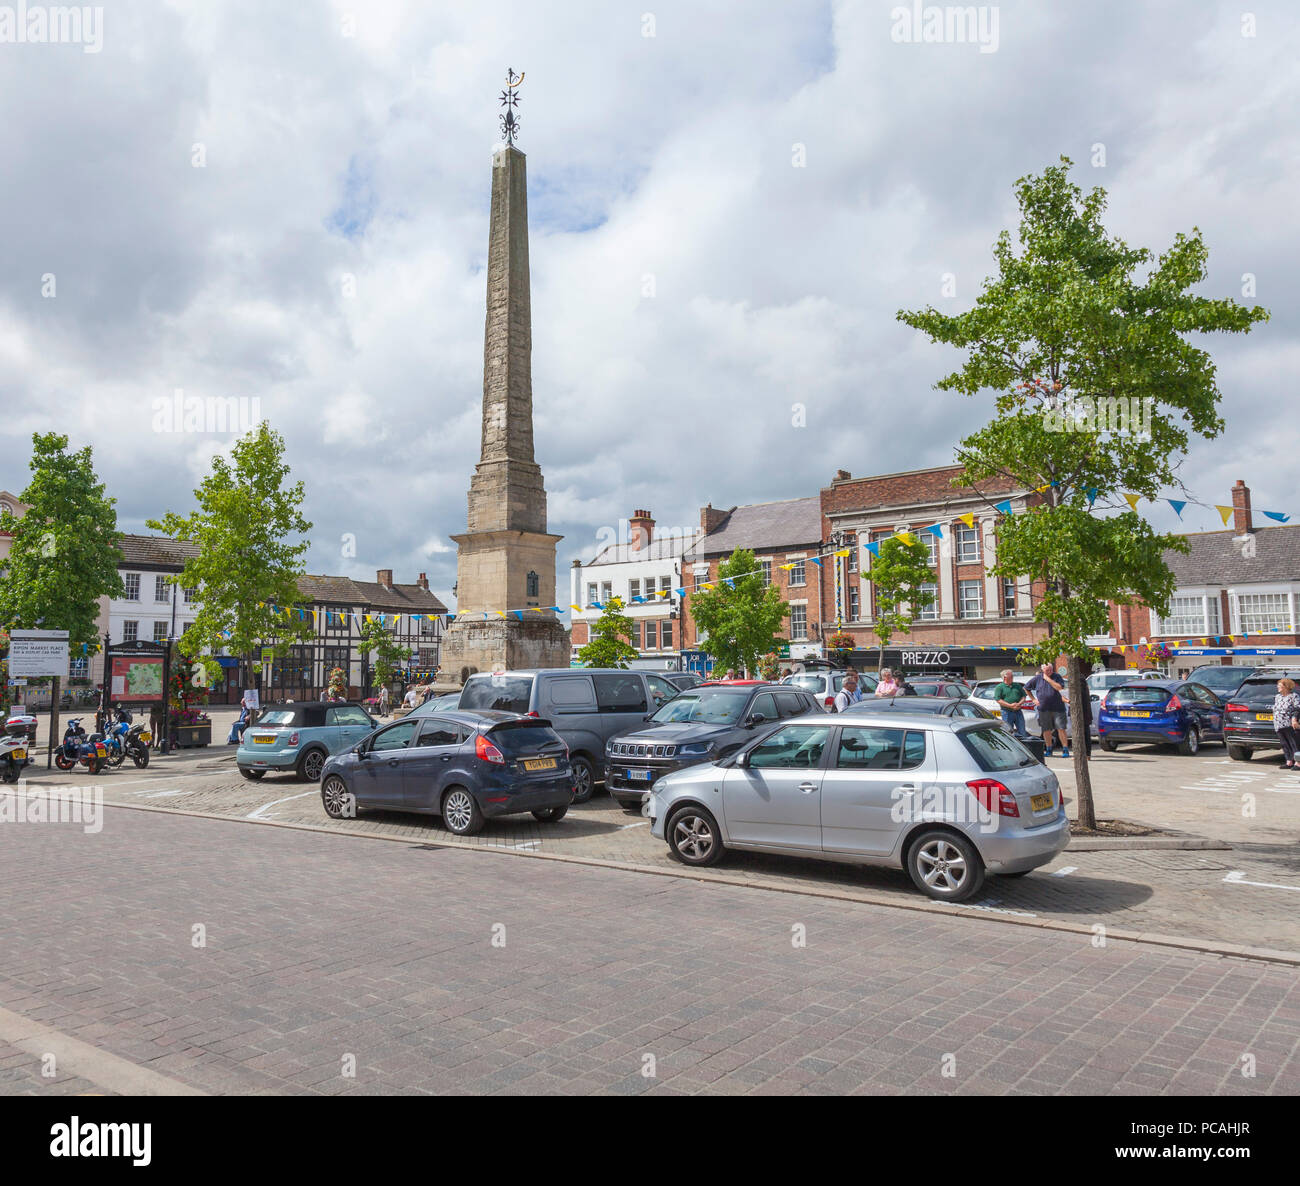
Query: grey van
(585,705)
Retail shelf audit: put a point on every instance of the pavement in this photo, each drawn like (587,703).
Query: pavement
(204,955)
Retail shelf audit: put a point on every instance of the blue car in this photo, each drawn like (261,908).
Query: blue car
(1160,712)
(297,738)
(466,766)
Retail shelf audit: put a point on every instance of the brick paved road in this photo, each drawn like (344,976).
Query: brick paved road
(319,947)
(1180,893)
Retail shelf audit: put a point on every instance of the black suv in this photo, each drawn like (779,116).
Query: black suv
(701,725)
(1248,715)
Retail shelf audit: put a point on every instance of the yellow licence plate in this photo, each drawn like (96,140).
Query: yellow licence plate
(538,764)
(1133,714)
(1264,716)
(146,737)
(1040,802)
(19,754)
(264,740)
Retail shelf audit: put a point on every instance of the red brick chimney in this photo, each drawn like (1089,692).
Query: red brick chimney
(423,581)
(711,519)
(1241,523)
(641,529)
(385,577)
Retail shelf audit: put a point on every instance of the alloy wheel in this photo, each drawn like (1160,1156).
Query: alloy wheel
(693,836)
(312,765)
(458,811)
(942,866)
(335,797)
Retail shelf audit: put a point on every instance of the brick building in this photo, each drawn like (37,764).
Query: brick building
(778,533)
(978,622)
(1236,600)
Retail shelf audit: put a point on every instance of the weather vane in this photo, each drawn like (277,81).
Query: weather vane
(510,100)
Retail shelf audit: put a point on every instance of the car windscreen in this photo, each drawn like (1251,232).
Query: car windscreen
(509,693)
(711,706)
(995,749)
(904,704)
(276,716)
(1256,693)
(809,683)
(1218,679)
(1137,694)
(524,736)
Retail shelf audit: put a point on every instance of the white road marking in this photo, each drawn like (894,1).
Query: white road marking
(257,814)
(1066,871)
(1240,879)
(529,844)
(160,794)
(624,827)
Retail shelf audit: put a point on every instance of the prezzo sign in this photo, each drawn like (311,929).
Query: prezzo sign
(925,658)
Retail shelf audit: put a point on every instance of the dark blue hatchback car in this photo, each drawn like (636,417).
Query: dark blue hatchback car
(464,765)
(1160,712)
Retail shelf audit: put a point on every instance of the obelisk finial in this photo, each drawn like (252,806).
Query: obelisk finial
(510,100)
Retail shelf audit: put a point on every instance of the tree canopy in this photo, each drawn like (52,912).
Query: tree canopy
(741,616)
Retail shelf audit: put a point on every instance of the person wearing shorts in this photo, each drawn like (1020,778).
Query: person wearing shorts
(1046,688)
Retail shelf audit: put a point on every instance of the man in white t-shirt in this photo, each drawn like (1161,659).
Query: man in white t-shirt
(847,694)
(410,698)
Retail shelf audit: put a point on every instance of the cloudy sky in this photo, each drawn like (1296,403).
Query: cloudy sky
(725,216)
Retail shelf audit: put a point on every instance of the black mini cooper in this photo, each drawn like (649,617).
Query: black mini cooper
(701,725)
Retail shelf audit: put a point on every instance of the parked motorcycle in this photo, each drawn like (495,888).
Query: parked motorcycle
(135,738)
(13,752)
(76,748)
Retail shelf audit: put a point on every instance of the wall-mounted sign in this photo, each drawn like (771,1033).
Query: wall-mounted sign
(38,652)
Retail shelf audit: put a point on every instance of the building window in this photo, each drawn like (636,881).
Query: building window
(855,602)
(797,573)
(1263,611)
(766,566)
(132,582)
(853,556)
(428,625)
(160,632)
(78,668)
(606,591)
(1008,597)
(931,542)
(666,635)
(968,545)
(665,584)
(651,636)
(970,599)
(1187,615)
(634,589)
(160,589)
(130,630)
(190,595)
(930,612)
(798,622)
(592,597)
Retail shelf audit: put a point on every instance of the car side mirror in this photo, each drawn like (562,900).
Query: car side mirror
(742,759)
(757,719)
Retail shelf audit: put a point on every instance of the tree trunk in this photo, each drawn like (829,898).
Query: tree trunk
(1079,742)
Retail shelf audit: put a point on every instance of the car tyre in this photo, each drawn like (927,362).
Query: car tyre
(311,764)
(551,815)
(1190,746)
(336,798)
(460,812)
(692,835)
(1239,753)
(1109,746)
(945,866)
(252,775)
(584,779)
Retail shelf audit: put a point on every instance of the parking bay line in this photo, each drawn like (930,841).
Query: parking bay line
(1066,871)
(1237,878)
(257,813)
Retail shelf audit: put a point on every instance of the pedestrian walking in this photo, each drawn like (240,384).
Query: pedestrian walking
(384,700)
(1011,699)
(844,697)
(1046,688)
(1286,721)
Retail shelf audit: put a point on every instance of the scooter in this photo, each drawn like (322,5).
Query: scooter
(76,748)
(13,752)
(135,738)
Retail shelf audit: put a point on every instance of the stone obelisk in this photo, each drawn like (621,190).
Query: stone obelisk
(505,564)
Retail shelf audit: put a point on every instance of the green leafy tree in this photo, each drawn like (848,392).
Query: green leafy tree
(741,616)
(897,574)
(64,553)
(377,639)
(609,634)
(1085,342)
(249,557)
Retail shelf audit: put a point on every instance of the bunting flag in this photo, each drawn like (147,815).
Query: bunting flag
(935,530)
(843,552)
(1177,505)
(968,518)
(1092,496)
(1278,516)
(1225,513)
(817,560)
(1132,500)
(1004,507)
(577,607)
(873,548)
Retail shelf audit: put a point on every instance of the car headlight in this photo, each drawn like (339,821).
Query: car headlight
(698,750)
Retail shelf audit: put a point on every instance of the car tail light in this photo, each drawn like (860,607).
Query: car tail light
(1174,704)
(293,738)
(830,701)
(1235,707)
(488,752)
(995,797)
(537,716)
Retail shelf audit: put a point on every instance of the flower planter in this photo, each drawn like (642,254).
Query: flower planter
(192,736)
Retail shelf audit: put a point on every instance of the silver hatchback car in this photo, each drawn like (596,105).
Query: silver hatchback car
(944,798)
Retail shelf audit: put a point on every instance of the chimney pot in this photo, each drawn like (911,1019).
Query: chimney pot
(1241,520)
(384,576)
(423,580)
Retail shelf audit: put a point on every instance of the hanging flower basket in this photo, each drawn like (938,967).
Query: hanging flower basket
(841,644)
